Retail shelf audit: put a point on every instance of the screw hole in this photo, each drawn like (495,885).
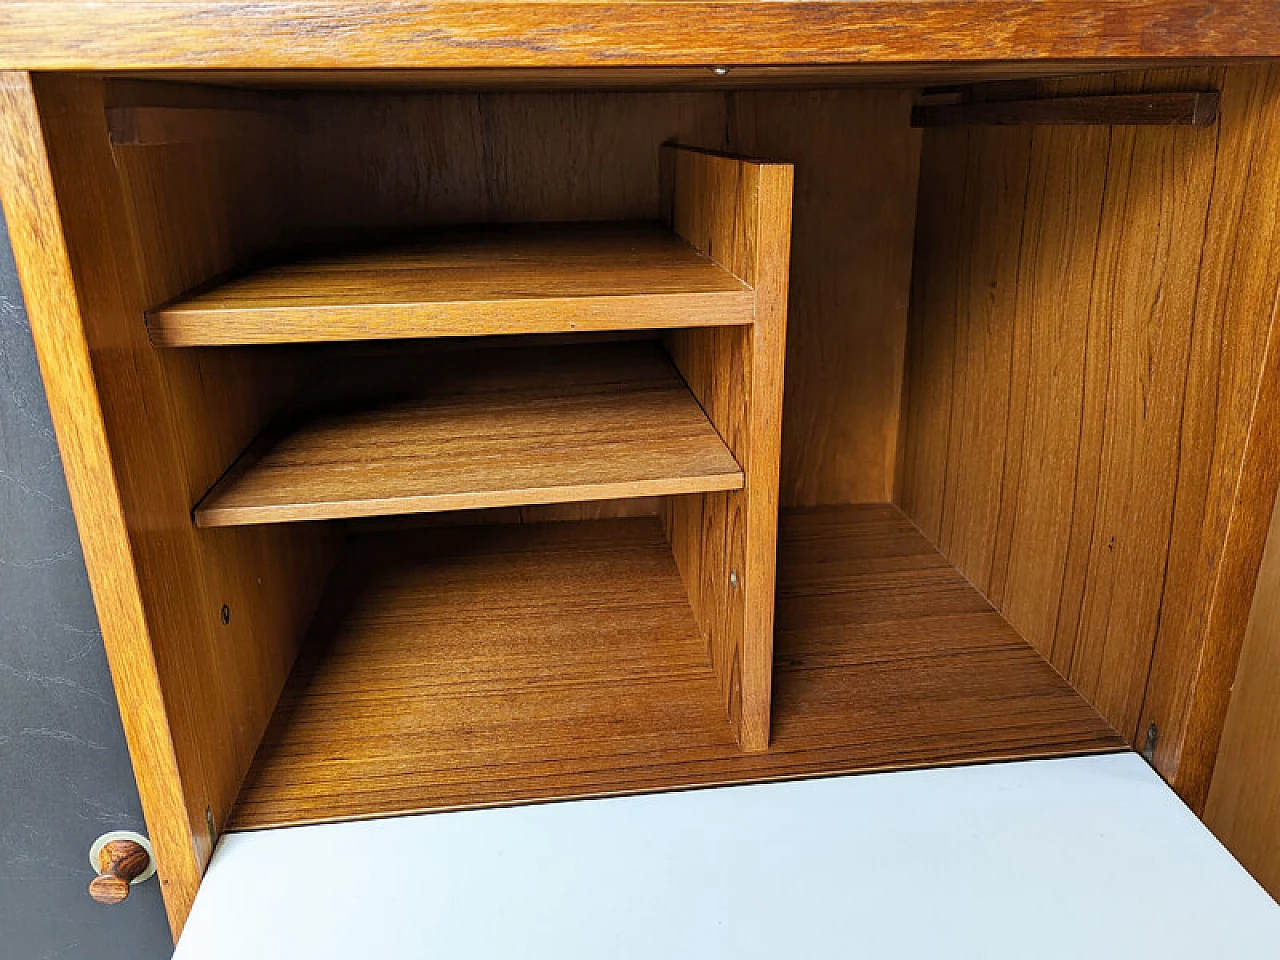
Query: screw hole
(226,615)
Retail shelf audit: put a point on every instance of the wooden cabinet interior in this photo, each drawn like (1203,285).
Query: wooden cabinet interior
(1012,388)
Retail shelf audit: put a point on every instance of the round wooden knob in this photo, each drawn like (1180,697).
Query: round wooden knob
(120,862)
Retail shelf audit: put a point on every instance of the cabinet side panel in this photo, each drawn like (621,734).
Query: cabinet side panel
(1089,321)
(1243,808)
(738,213)
(50,284)
(1220,527)
(139,222)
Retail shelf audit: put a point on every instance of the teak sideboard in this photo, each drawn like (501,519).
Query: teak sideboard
(467,404)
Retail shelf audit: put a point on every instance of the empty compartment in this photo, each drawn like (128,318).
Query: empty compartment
(472,665)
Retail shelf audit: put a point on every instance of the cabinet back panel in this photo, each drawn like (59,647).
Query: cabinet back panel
(1090,318)
(856,163)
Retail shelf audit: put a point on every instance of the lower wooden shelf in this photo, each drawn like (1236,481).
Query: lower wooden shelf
(461,429)
(478,666)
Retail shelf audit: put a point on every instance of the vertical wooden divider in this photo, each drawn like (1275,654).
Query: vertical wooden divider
(738,212)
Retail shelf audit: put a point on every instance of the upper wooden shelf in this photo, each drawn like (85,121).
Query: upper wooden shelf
(468,282)
(494,427)
(469,667)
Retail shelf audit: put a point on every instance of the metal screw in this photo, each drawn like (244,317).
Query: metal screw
(1149,748)
(733,579)
(226,615)
(208,822)
(720,71)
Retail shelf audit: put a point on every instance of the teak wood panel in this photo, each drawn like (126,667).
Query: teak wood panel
(562,660)
(1091,316)
(737,212)
(853,226)
(97,236)
(332,34)
(1243,807)
(150,125)
(417,432)
(1239,289)
(382,160)
(467,282)
(386,160)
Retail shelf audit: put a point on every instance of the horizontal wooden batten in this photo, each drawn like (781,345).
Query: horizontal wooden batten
(459,429)
(641,78)
(153,126)
(479,666)
(474,281)
(1197,109)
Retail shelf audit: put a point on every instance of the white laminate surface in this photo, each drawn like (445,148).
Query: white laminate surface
(1090,857)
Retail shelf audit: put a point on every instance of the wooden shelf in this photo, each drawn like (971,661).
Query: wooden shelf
(470,667)
(494,427)
(468,282)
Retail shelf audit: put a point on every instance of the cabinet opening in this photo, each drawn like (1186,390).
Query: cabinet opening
(475,406)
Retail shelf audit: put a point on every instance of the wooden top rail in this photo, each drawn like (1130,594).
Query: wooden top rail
(352,34)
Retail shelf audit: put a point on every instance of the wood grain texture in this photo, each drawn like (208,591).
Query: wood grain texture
(49,282)
(332,34)
(1244,795)
(491,428)
(142,436)
(119,864)
(586,675)
(738,213)
(846,325)
(1188,109)
(161,219)
(382,160)
(474,282)
(1089,322)
(154,126)
(1222,539)
(1243,806)
(388,160)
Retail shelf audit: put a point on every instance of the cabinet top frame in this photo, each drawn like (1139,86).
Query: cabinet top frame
(458,34)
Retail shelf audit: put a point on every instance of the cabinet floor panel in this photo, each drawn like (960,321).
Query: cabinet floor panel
(886,656)
(469,281)
(480,666)
(468,666)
